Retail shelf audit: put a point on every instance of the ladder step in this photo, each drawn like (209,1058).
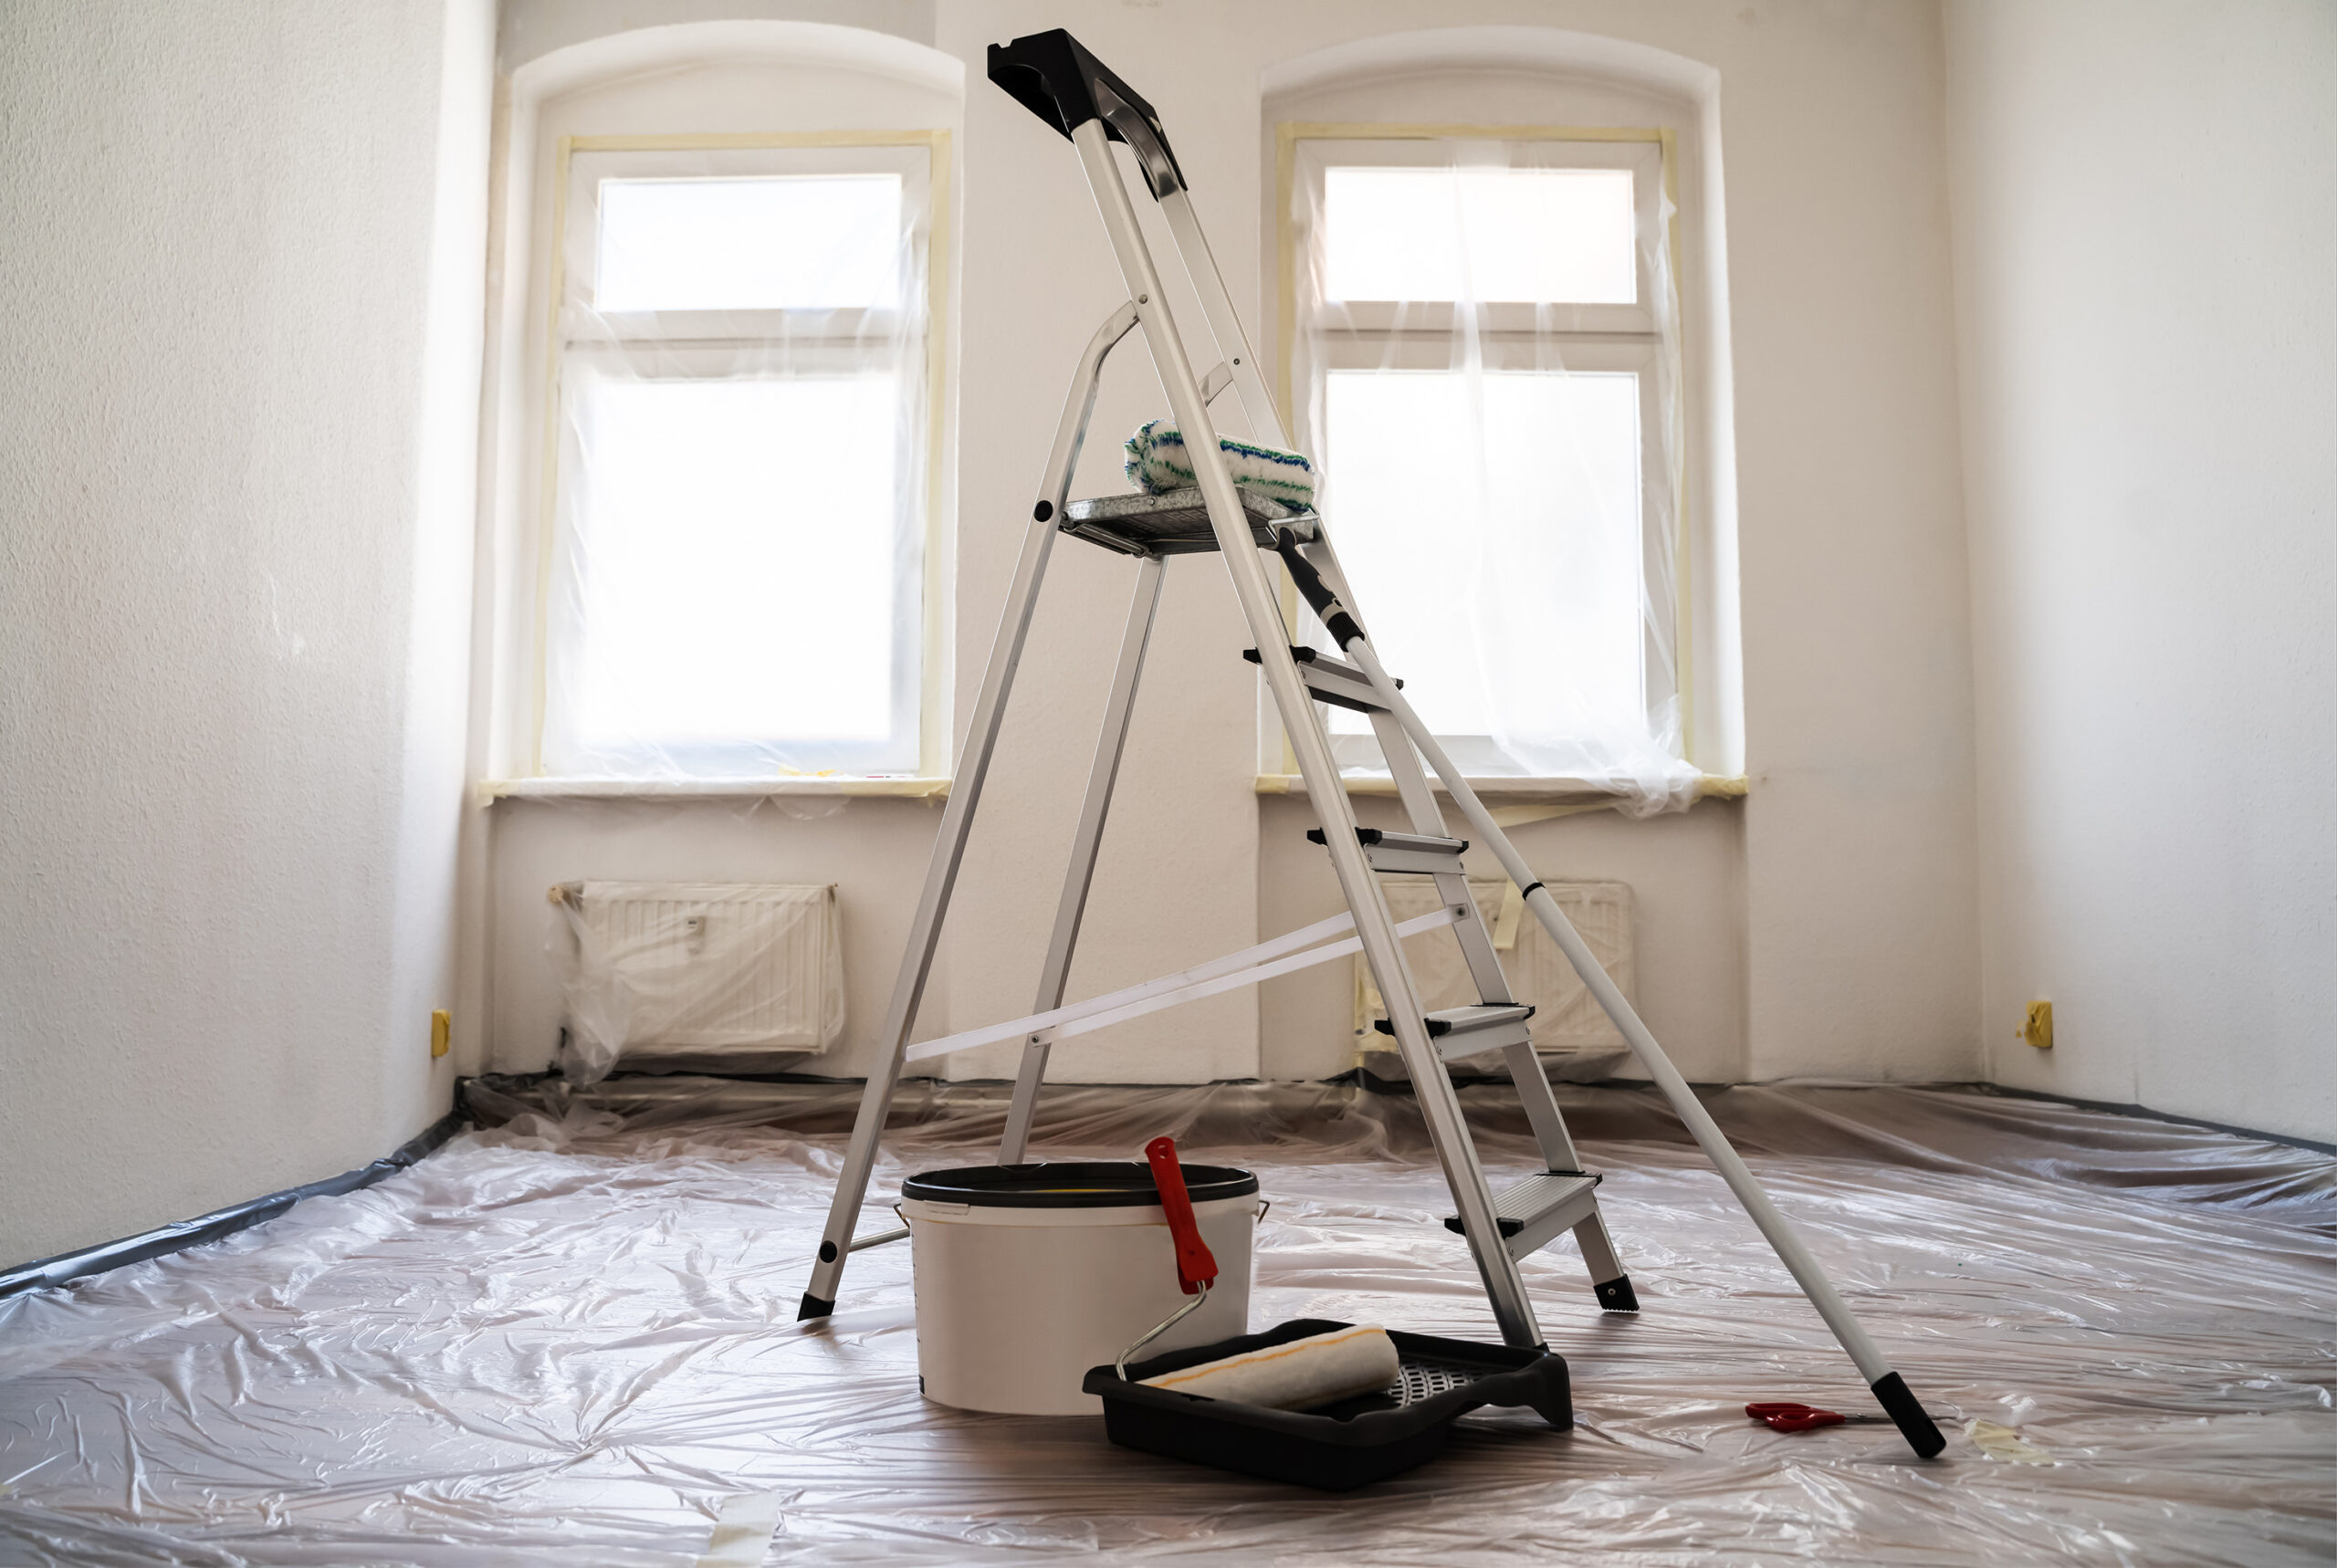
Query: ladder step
(1467,1031)
(1391,852)
(1539,1210)
(1333,681)
(1176,523)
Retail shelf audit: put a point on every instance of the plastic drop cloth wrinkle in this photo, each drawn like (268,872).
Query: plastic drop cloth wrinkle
(569,1337)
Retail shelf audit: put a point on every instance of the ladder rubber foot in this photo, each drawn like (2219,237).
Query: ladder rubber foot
(813,1307)
(1922,1433)
(1616,1295)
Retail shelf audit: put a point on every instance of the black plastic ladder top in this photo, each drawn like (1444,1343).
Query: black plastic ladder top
(1053,75)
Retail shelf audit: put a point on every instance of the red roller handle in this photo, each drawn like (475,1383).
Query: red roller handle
(1195,1266)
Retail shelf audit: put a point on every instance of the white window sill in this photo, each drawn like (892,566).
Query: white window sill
(1509,790)
(490,790)
(1506,789)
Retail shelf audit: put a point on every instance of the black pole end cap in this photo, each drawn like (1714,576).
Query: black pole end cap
(1616,1295)
(1921,1434)
(813,1307)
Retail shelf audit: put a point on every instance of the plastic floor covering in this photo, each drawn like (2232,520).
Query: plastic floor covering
(570,1338)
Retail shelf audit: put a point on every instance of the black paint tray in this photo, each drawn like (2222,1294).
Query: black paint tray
(1350,1444)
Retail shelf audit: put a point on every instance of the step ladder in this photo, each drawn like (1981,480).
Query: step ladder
(1069,89)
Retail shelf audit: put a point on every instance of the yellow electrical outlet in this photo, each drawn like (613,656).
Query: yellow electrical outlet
(442,1031)
(2037,1028)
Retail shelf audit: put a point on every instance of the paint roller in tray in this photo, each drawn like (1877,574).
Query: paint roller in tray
(1320,1369)
(1314,1403)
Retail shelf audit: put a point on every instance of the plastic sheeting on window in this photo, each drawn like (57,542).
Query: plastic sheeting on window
(742,474)
(570,1338)
(726,977)
(1486,361)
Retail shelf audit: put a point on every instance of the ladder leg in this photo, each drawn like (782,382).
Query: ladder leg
(1374,926)
(1110,743)
(925,932)
(957,820)
(1890,1389)
(1609,1282)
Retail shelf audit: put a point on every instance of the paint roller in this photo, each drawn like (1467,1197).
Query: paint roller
(1320,1369)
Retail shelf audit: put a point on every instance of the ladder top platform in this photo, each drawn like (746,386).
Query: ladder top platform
(1176,523)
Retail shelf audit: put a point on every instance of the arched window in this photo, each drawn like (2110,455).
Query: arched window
(730,462)
(1481,330)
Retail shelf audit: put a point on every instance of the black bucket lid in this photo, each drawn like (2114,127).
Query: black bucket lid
(1077,1183)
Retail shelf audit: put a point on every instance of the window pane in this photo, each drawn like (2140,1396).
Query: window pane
(801,242)
(1511,608)
(738,562)
(1546,236)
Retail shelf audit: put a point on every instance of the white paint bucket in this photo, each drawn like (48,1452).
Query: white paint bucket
(1029,1275)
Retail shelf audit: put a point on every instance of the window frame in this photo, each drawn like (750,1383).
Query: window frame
(1606,331)
(558,309)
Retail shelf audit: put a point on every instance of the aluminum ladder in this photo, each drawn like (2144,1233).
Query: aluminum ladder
(1069,89)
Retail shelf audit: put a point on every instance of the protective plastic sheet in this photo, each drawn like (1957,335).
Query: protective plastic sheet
(744,466)
(723,976)
(572,1337)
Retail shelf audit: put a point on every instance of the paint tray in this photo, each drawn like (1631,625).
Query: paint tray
(1335,1446)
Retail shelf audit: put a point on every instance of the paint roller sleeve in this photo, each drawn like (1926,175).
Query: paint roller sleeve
(1299,1376)
(1158,463)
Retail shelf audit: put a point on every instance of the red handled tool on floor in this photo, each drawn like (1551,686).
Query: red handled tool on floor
(1791,1417)
(1787,1415)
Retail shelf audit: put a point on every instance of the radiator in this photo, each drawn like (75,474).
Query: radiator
(1566,1019)
(698,968)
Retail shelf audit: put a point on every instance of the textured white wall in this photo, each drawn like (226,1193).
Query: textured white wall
(2146,259)
(240,295)
(1826,926)
(1862,957)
